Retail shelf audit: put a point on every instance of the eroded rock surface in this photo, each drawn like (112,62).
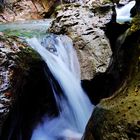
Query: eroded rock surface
(12,69)
(26,9)
(84,24)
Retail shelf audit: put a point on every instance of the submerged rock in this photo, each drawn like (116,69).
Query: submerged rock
(85,25)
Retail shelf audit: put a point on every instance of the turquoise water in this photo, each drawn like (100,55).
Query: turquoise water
(27,28)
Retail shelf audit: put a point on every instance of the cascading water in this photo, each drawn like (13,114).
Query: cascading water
(74,106)
(123,13)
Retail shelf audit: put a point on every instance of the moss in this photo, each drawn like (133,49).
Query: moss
(135,23)
(24,54)
(58,8)
(21,33)
(26,57)
(106,1)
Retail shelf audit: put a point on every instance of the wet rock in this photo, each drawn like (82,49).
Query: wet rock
(25,93)
(10,63)
(6,73)
(84,24)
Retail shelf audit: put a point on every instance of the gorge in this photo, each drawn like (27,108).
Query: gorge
(69,77)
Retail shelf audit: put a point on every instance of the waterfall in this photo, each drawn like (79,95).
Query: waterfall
(74,106)
(123,13)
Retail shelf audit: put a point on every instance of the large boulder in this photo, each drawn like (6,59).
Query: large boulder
(8,53)
(11,64)
(85,25)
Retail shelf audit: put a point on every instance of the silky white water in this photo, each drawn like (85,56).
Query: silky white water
(123,13)
(74,106)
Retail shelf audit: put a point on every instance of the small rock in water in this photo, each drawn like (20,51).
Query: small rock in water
(52,49)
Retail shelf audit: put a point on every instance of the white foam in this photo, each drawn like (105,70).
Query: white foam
(75,105)
(123,13)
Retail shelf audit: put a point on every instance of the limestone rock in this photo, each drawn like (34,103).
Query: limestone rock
(84,24)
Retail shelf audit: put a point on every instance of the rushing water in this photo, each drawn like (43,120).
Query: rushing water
(74,106)
(60,56)
(123,13)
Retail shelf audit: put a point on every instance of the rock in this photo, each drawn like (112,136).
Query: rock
(17,10)
(11,64)
(6,73)
(87,33)
(25,93)
(118,117)
(103,85)
(20,10)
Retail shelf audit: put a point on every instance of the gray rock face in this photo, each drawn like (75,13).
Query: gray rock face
(12,70)
(84,24)
(5,75)
(7,54)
